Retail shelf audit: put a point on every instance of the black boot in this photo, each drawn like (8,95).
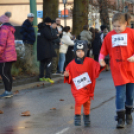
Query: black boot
(77,120)
(121,119)
(129,118)
(86,119)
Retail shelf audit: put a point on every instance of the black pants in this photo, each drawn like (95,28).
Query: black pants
(96,57)
(107,60)
(69,56)
(88,53)
(5,72)
(45,65)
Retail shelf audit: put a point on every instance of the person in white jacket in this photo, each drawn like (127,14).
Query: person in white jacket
(66,41)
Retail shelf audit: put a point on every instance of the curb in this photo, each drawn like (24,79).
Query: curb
(24,80)
(35,85)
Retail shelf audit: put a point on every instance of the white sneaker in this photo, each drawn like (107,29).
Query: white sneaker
(61,74)
(58,74)
(54,74)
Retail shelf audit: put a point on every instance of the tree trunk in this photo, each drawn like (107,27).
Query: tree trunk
(104,16)
(91,2)
(80,15)
(50,8)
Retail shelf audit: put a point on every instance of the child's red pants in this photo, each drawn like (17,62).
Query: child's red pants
(86,108)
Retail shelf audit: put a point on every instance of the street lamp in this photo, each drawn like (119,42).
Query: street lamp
(64,2)
(126,9)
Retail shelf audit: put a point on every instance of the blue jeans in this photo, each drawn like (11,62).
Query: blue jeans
(62,59)
(124,96)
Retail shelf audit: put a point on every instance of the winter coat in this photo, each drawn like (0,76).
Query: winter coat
(82,88)
(45,46)
(66,41)
(27,32)
(56,41)
(97,44)
(120,47)
(7,43)
(60,28)
(86,35)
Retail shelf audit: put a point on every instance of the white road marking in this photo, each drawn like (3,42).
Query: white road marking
(62,131)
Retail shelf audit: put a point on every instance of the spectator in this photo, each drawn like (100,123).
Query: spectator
(56,44)
(97,30)
(66,41)
(86,35)
(45,49)
(104,32)
(59,27)
(96,45)
(70,52)
(28,33)
(92,30)
(7,53)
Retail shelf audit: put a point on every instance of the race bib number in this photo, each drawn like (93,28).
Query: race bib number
(119,40)
(82,81)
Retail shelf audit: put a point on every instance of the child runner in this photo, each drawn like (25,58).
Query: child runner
(119,44)
(81,74)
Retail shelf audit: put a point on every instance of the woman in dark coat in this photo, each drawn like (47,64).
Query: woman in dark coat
(45,49)
(96,44)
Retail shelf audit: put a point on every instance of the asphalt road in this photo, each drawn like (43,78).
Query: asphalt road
(59,120)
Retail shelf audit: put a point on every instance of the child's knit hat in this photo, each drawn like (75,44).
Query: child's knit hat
(81,45)
(5,18)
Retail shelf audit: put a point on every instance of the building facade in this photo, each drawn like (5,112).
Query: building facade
(20,9)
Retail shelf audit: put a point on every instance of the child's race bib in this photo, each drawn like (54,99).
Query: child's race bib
(82,81)
(119,40)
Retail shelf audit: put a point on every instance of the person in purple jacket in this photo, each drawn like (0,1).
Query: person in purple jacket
(7,53)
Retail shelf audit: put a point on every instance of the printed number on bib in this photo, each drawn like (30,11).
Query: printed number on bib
(119,40)
(82,81)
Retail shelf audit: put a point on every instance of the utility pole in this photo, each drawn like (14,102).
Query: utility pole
(33,9)
(64,2)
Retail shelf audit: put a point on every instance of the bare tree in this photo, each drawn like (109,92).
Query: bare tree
(50,8)
(103,4)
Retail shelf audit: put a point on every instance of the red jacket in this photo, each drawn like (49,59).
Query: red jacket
(77,74)
(7,44)
(120,47)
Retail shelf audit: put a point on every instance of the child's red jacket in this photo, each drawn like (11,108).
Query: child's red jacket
(120,47)
(82,78)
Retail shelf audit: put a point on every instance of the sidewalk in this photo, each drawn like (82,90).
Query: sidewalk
(30,82)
